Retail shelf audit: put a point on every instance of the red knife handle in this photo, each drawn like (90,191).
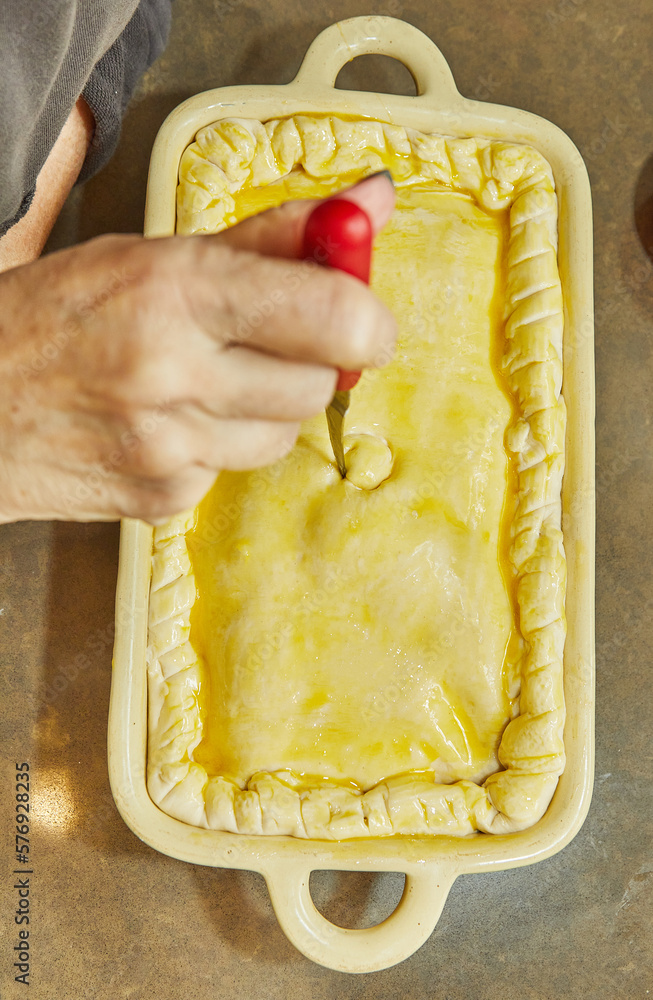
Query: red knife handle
(339,234)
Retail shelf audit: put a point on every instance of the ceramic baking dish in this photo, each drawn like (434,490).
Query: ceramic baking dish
(431,864)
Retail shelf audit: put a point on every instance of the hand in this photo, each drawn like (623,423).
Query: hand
(133,370)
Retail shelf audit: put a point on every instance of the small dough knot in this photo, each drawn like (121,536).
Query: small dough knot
(368,459)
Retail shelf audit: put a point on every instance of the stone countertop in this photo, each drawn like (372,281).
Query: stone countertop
(112,918)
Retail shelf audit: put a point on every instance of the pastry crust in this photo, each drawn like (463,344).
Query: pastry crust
(225,157)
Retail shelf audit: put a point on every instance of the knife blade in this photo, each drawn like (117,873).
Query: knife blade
(335,415)
(339,234)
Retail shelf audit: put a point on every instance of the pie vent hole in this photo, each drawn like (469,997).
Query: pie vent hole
(356,899)
(381,74)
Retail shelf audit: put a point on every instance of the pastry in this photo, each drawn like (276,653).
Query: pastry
(381,655)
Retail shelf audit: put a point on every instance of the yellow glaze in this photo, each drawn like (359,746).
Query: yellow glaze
(357,634)
(378,655)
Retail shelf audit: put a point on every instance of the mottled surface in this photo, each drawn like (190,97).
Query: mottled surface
(112,918)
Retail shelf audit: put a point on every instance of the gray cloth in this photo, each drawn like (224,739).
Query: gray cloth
(51,51)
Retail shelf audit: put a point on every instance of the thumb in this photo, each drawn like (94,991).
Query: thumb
(279,232)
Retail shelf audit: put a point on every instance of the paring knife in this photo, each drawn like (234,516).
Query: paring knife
(339,234)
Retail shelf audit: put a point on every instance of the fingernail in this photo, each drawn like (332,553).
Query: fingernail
(379,173)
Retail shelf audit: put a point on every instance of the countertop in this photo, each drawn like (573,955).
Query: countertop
(112,918)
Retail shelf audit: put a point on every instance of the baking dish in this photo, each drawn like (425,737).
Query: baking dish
(430,866)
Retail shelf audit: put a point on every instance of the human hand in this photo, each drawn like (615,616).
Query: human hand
(134,370)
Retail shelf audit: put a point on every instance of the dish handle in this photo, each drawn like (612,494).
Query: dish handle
(348,950)
(388,36)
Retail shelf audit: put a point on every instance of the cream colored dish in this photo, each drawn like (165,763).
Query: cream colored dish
(431,863)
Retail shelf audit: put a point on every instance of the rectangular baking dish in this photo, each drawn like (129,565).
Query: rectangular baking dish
(431,864)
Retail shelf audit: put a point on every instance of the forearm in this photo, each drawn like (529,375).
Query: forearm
(25,241)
